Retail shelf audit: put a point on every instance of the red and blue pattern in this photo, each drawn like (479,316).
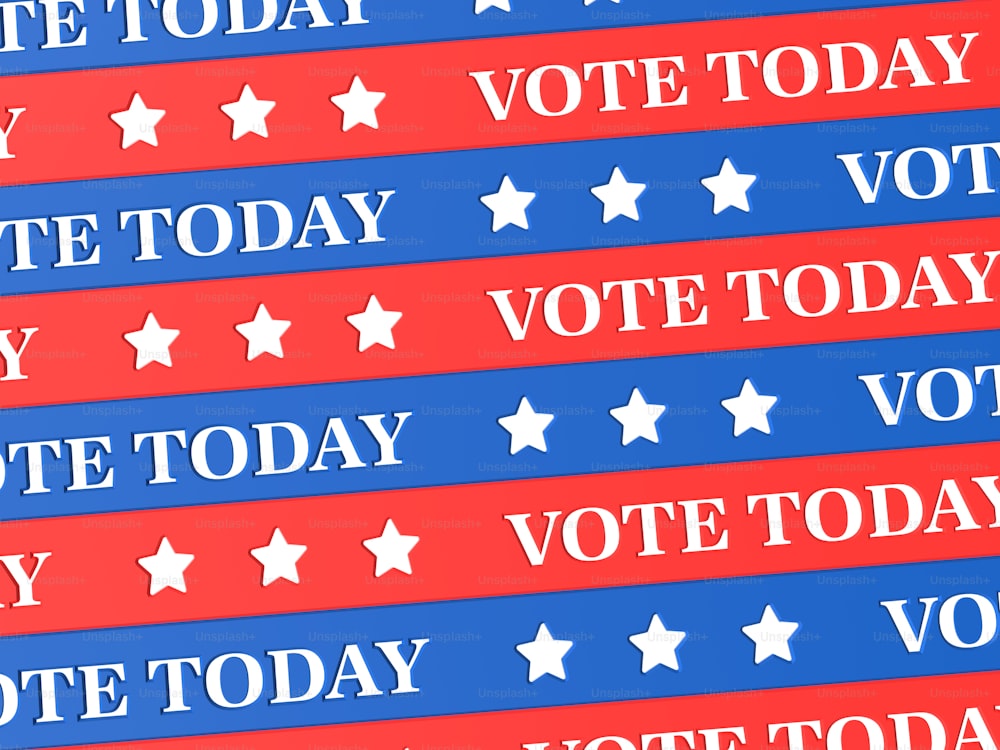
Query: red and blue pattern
(503,374)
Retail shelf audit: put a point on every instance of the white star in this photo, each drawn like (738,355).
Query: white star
(279,558)
(138,122)
(750,410)
(509,205)
(729,188)
(544,655)
(658,645)
(526,427)
(391,550)
(152,343)
(591,2)
(166,568)
(375,325)
(638,419)
(619,196)
(248,113)
(263,334)
(482,5)
(770,636)
(358,105)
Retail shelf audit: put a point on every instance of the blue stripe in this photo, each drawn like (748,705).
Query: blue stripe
(470,664)
(390,22)
(453,436)
(436,213)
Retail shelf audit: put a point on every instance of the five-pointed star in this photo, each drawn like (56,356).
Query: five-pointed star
(619,196)
(278,558)
(391,550)
(138,122)
(526,427)
(729,188)
(263,334)
(166,568)
(591,2)
(770,636)
(750,410)
(358,105)
(248,113)
(638,419)
(545,655)
(658,645)
(509,205)
(375,325)
(482,5)
(152,343)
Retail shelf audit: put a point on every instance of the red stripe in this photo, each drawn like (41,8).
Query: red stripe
(449,324)
(432,104)
(949,699)
(467,549)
